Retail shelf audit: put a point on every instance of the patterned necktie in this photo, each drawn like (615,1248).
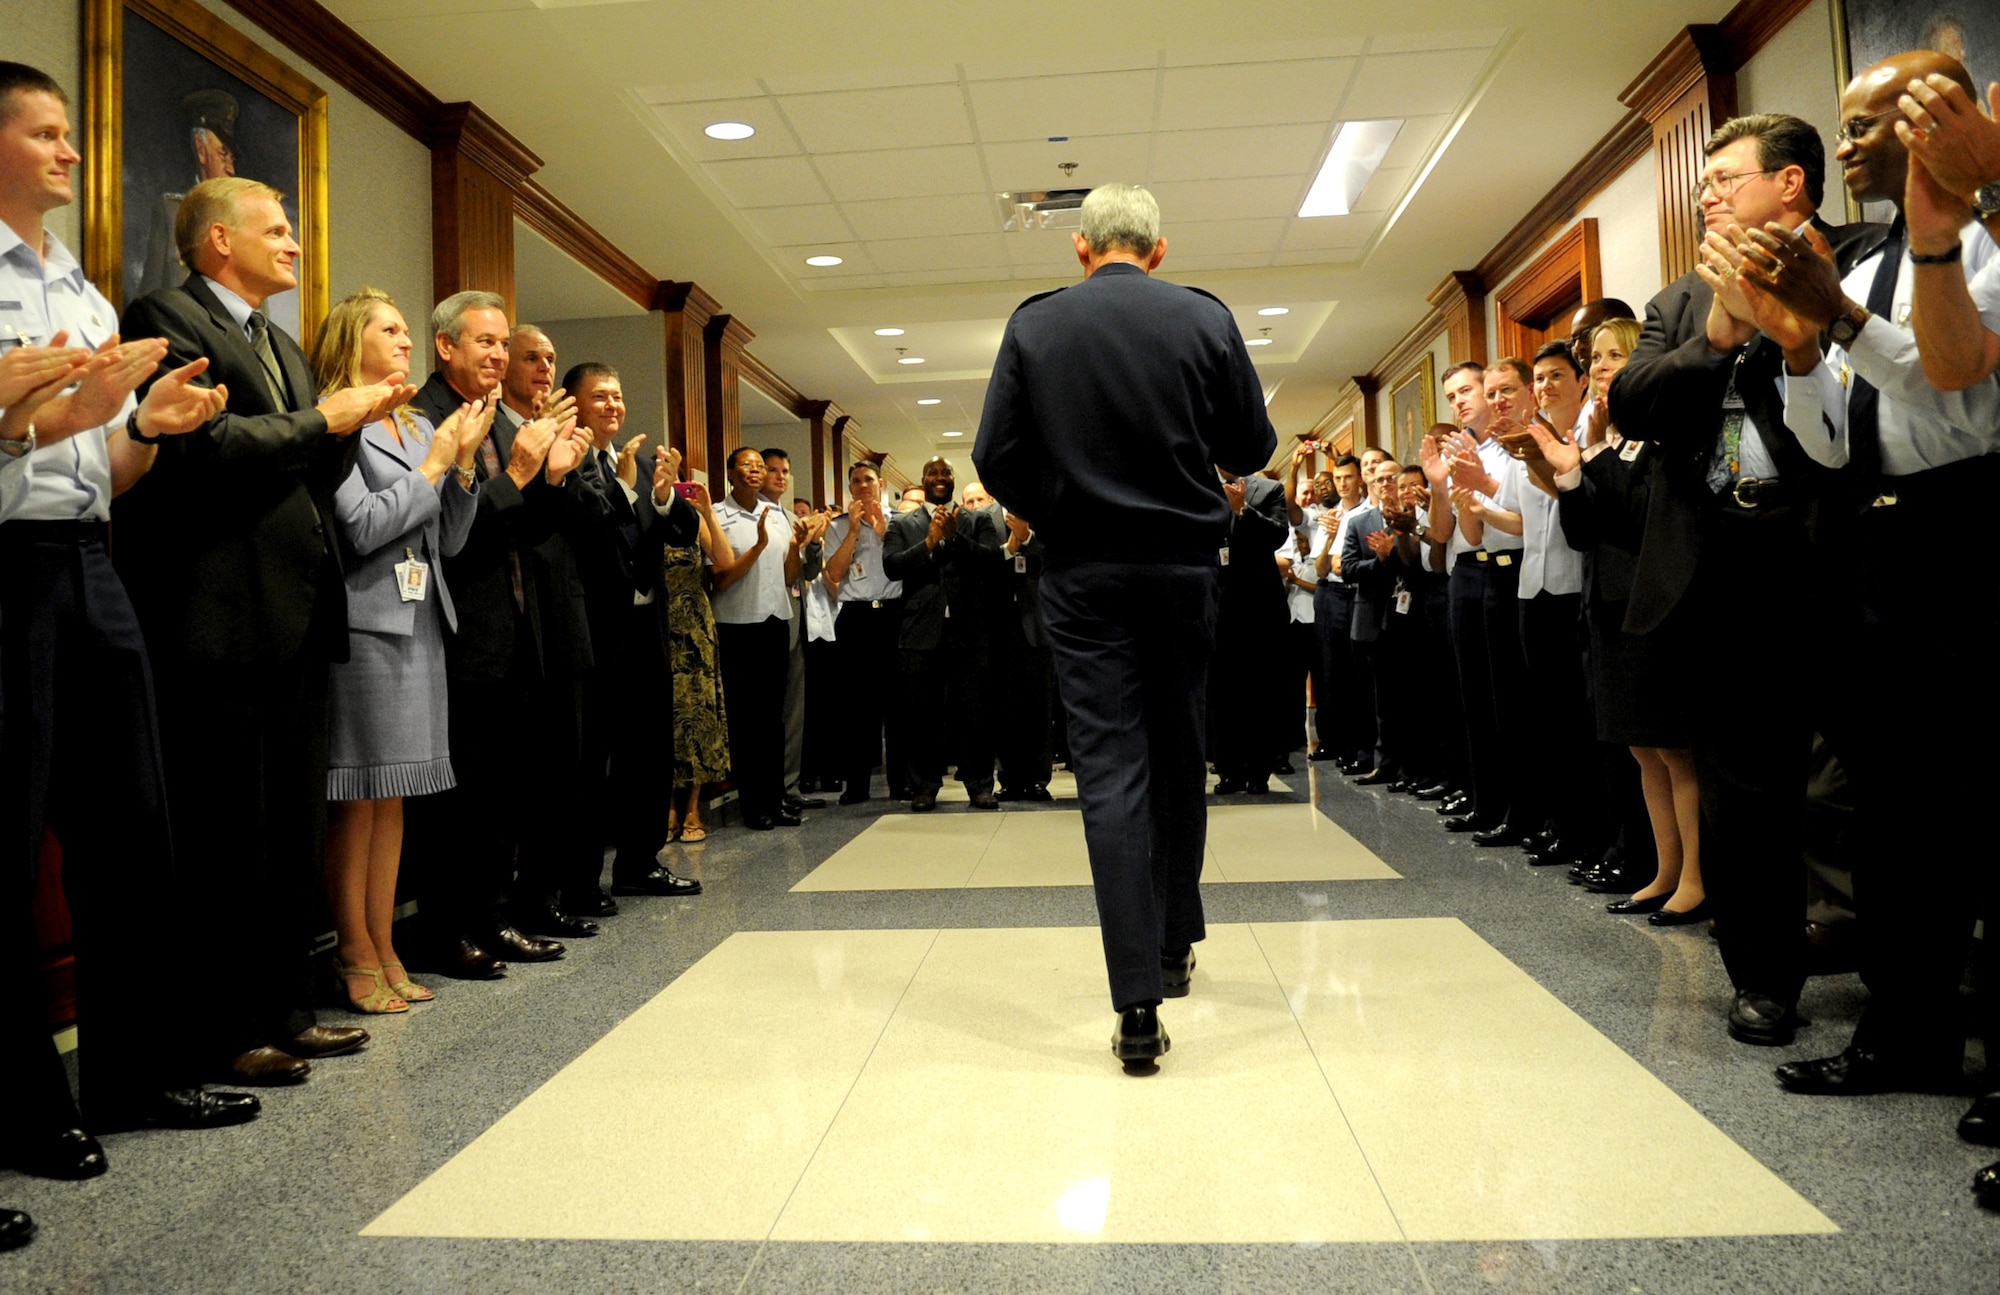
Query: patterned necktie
(1864,440)
(260,342)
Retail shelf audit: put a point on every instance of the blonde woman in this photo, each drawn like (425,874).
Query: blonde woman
(407,505)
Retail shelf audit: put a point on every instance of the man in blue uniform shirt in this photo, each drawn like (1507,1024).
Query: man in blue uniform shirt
(1111,404)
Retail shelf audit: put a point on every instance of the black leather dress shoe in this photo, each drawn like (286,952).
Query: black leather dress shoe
(659,881)
(516,947)
(72,1155)
(1536,842)
(1008,795)
(320,1041)
(798,803)
(786,818)
(1632,907)
(590,902)
(548,920)
(853,797)
(1462,823)
(1557,857)
(180,1108)
(1985,1189)
(464,959)
(1139,1036)
(1353,764)
(923,802)
(1981,1122)
(1257,786)
(1436,791)
(1403,785)
(1039,793)
(1498,836)
(1669,917)
(1459,803)
(1855,1073)
(1176,974)
(985,800)
(1376,777)
(1762,1020)
(1227,786)
(16,1229)
(1320,756)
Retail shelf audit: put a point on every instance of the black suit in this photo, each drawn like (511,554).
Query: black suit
(235,574)
(1384,641)
(1246,734)
(1110,404)
(1748,582)
(1007,588)
(943,643)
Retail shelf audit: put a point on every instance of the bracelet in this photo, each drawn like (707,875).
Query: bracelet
(1941,258)
(465,475)
(132,430)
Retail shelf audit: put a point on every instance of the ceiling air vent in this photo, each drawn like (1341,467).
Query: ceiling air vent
(1027,209)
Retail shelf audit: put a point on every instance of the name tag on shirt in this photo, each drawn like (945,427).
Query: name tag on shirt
(1631,450)
(1020,565)
(1225,557)
(1402,602)
(413,578)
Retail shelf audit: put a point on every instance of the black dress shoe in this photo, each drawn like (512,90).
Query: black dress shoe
(1981,1123)
(1376,777)
(1985,1189)
(798,803)
(1669,917)
(1556,858)
(1175,974)
(16,1229)
(463,959)
(1039,793)
(923,802)
(659,881)
(1627,907)
(1139,1036)
(517,947)
(853,797)
(1497,836)
(1320,756)
(1353,764)
(548,920)
(1855,1073)
(590,902)
(1436,791)
(1762,1020)
(1463,823)
(320,1041)
(1457,804)
(786,818)
(1008,795)
(1285,766)
(265,1067)
(1257,786)
(985,800)
(72,1155)
(1536,842)
(1227,786)
(180,1108)
(760,822)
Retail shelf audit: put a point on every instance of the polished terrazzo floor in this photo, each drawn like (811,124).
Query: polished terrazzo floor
(874,1056)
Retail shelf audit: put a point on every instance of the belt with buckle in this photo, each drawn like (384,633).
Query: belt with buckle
(1756,492)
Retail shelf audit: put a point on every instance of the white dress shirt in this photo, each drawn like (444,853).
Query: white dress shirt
(1299,602)
(41,296)
(761,594)
(866,581)
(1547,561)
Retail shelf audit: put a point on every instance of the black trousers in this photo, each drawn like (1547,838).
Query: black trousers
(1346,713)
(1560,725)
(754,659)
(1488,764)
(957,673)
(864,639)
(80,753)
(628,707)
(824,761)
(1020,709)
(1444,744)
(1131,646)
(1302,645)
(1514,718)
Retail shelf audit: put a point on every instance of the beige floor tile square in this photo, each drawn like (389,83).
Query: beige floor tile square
(900,851)
(1463,1080)
(1248,843)
(693,1118)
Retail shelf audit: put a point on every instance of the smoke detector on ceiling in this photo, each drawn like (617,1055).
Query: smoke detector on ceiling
(1026,209)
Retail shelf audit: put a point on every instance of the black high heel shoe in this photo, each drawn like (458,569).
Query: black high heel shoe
(1634,907)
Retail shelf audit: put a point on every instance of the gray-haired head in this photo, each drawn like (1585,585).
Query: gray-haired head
(448,320)
(1123,217)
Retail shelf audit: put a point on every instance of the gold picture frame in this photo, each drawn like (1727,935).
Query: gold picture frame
(170,98)
(1412,408)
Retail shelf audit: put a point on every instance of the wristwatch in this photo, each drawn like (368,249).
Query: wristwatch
(1848,325)
(1986,202)
(19,449)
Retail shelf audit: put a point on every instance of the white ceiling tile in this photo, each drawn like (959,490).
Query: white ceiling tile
(792,226)
(1052,249)
(691,91)
(861,79)
(851,121)
(841,282)
(1253,94)
(1414,140)
(688,120)
(1183,265)
(1217,237)
(767,181)
(1196,200)
(1319,232)
(853,259)
(922,217)
(1329,256)
(1226,154)
(1035,165)
(1412,85)
(946,252)
(1385,189)
(1423,41)
(1065,62)
(1266,51)
(964,274)
(1107,103)
(903,173)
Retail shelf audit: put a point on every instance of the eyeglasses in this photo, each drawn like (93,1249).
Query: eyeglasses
(1723,184)
(1854,128)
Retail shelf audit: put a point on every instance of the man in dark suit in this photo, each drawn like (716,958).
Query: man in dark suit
(235,573)
(1110,405)
(1728,550)
(943,643)
(513,669)
(1010,580)
(1372,567)
(1244,733)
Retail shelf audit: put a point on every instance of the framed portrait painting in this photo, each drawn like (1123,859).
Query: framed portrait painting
(1867,31)
(174,96)
(1412,408)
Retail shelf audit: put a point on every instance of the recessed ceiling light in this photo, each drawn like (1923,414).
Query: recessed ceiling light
(911,359)
(1275,310)
(822,260)
(954,433)
(888,332)
(1258,341)
(931,400)
(729,130)
(1358,149)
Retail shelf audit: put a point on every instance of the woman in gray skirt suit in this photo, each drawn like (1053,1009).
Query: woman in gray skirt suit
(407,505)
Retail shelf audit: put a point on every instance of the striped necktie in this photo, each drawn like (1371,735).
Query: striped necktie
(260,342)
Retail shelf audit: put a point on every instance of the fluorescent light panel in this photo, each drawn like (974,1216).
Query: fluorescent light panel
(1358,149)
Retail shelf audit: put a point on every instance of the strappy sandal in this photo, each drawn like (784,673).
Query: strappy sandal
(381,1001)
(693,835)
(409,990)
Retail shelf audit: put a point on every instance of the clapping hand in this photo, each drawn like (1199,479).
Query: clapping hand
(113,372)
(557,405)
(627,467)
(944,525)
(1017,532)
(30,368)
(1944,129)
(1380,543)
(1437,469)
(572,444)
(354,407)
(1558,455)
(1233,491)
(174,405)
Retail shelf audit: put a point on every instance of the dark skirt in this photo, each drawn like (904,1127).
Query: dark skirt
(388,731)
(1641,683)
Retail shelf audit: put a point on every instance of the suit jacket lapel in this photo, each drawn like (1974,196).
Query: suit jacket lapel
(233,341)
(379,436)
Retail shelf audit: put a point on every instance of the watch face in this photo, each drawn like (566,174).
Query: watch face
(1987,200)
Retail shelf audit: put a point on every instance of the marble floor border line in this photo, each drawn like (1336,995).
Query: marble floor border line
(1305,1037)
(750,1271)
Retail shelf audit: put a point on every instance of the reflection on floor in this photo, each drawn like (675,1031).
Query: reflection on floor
(1246,843)
(1062,786)
(1366,1080)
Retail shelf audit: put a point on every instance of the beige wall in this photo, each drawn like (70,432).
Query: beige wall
(379,203)
(636,346)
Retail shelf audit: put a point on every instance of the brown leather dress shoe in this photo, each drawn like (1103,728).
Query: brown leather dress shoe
(325,1041)
(265,1067)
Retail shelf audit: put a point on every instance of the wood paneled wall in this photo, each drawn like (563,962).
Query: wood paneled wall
(477,170)
(688,310)
(723,365)
(1685,93)
(1537,304)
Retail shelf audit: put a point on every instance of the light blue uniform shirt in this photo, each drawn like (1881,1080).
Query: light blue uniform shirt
(40,297)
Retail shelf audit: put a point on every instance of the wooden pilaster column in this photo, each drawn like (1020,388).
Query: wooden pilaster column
(1462,299)
(837,440)
(828,473)
(687,310)
(1684,94)
(476,168)
(724,336)
(1371,417)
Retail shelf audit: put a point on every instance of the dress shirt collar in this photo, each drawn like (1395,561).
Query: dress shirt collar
(56,263)
(239,309)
